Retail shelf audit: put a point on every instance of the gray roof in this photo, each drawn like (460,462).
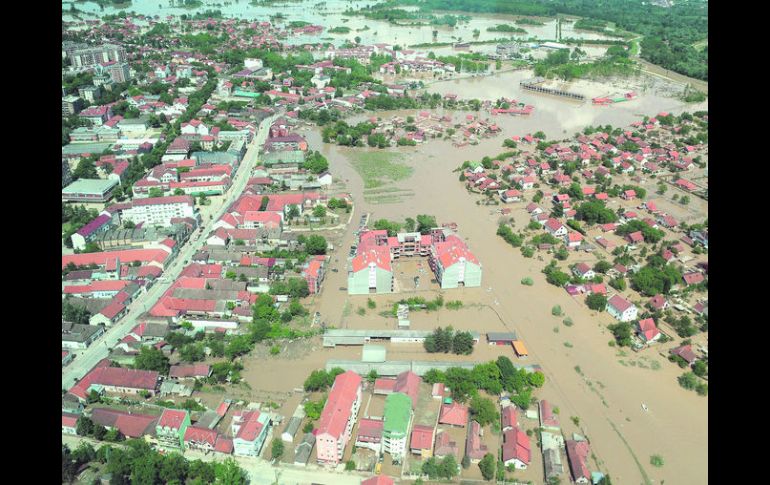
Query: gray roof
(293,426)
(76,332)
(552,462)
(501,336)
(227,285)
(93,305)
(152,329)
(302,453)
(250,271)
(89,186)
(79,148)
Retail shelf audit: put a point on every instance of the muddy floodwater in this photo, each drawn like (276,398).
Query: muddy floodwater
(585,378)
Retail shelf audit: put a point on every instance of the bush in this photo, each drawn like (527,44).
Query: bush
(276,449)
(275,350)
(371,304)
(596,301)
(350,466)
(527,281)
(556,311)
(656,460)
(568,322)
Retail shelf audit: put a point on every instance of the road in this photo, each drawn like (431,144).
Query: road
(86,359)
(260,471)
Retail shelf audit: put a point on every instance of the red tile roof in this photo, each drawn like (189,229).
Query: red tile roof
(547,417)
(200,435)
(194,370)
(117,377)
(69,420)
(224,445)
(455,414)
(648,328)
(422,437)
(409,383)
(577,454)
(619,303)
(172,418)
(508,416)
(250,427)
(130,425)
(336,412)
(516,446)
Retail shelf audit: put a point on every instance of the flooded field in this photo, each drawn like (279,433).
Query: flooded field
(329,14)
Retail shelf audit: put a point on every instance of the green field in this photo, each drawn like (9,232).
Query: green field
(379,168)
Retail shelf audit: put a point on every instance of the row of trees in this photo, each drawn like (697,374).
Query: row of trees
(447,340)
(492,377)
(137,462)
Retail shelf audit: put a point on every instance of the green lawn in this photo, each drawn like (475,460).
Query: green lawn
(379,168)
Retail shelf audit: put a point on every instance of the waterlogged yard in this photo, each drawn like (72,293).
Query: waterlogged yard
(380,171)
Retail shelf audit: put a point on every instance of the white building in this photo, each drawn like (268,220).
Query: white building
(621,309)
(159,210)
(249,429)
(253,64)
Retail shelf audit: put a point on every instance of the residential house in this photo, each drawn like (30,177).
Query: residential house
(249,429)
(516,448)
(648,331)
(577,454)
(445,446)
(370,434)
(454,414)
(473,447)
(621,309)
(171,428)
(421,442)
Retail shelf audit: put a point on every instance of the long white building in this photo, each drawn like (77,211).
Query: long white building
(159,210)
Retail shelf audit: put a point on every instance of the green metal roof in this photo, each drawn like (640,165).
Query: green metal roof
(398,407)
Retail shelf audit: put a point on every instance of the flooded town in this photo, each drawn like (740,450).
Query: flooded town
(343,242)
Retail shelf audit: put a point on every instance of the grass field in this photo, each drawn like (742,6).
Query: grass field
(379,168)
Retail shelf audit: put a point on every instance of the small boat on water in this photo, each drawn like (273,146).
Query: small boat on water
(644,406)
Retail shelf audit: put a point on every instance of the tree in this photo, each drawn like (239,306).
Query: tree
(425,223)
(409,225)
(700,368)
(150,358)
(483,410)
(602,266)
(596,301)
(487,466)
(276,449)
(536,379)
(448,467)
(315,244)
(155,192)
(293,211)
(84,427)
(462,343)
(173,467)
(622,333)
(319,211)
(350,466)
(229,473)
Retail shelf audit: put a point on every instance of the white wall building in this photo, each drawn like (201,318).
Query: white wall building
(159,210)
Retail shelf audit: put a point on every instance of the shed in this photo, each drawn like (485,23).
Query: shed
(501,338)
(291,429)
(519,348)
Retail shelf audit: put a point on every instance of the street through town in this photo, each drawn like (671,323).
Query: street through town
(86,359)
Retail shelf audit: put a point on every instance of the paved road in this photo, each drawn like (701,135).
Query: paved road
(86,359)
(260,471)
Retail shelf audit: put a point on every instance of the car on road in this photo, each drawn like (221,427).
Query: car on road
(335,270)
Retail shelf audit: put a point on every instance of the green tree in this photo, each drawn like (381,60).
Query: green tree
(462,343)
(293,211)
(425,223)
(536,379)
(84,426)
(487,466)
(150,358)
(276,449)
(596,301)
(484,411)
(448,467)
(315,244)
(228,472)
